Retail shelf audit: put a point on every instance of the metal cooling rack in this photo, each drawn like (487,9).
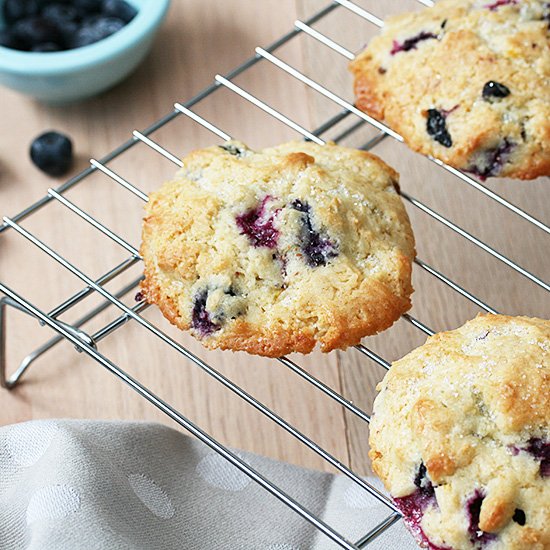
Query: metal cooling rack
(87,343)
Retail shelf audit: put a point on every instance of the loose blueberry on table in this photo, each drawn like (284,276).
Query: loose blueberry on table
(52,26)
(52,152)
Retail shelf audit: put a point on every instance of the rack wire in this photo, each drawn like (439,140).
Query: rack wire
(88,343)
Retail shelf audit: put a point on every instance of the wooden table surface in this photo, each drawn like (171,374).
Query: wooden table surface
(198,40)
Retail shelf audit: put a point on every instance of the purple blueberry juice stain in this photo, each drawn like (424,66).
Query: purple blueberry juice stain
(200,319)
(491,161)
(316,246)
(495,5)
(258,225)
(447,112)
(410,43)
(478,537)
(414,505)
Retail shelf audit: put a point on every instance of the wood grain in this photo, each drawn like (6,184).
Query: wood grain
(199,40)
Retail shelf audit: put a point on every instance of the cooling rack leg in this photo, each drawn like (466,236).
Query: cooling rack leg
(12,381)
(9,382)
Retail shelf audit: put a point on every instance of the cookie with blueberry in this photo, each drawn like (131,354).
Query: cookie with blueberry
(460,436)
(275,251)
(465,81)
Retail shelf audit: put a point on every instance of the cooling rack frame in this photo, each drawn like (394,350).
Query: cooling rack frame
(87,343)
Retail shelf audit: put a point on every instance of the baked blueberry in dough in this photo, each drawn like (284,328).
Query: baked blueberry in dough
(467,82)
(275,251)
(460,436)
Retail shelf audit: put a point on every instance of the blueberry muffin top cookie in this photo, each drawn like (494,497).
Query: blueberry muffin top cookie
(274,251)
(467,82)
(461,436)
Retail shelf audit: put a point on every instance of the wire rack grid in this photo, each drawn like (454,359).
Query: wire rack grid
(88,343)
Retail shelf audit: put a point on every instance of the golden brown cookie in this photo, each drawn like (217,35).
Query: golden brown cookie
(274,251)
(460,436)
(467,82)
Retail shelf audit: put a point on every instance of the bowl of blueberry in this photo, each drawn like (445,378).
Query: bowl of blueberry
(59,51)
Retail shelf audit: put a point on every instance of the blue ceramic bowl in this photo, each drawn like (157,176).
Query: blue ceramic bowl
(71,75)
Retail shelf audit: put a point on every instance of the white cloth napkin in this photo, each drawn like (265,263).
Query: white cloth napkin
(71,485)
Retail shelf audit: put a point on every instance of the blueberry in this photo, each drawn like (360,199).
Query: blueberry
(258,225)
(60,13)
(52,152)
(422,482)
(437,128)
(8,40)
(316,246)
(87,7)
(91,20)
(200,318)
(414,505)
(14,10)
(473,512)
(540,450)
(519,516)
(47,47)
(232,149)
(410,43)
(33,31)
(96,30)
(489,162)
(119,9)
(68,30)
(494,90)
